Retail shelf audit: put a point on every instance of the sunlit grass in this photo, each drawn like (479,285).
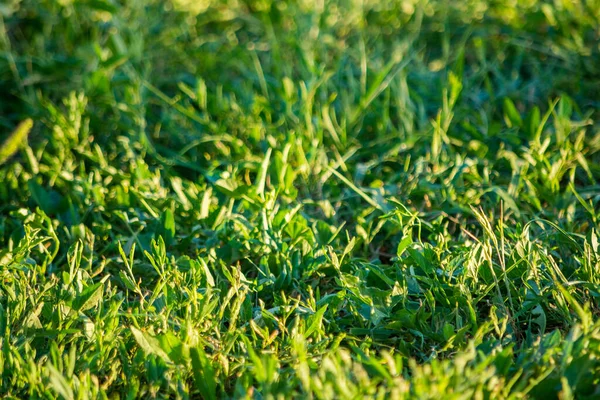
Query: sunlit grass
(329,199)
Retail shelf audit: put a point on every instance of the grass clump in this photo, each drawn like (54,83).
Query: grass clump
(261,199)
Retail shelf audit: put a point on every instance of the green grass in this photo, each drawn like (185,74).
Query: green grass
(328,199)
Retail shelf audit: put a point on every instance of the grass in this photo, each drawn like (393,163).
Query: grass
(330,199)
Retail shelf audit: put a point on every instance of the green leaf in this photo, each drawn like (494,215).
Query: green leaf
(360,192)
(149,344)
(173,346)
(204,374)
(127,281)
(533,121)
(262,174)
(48,200)
(317,320)
(59,383)
(89,298)
(403,245)
(103,5)
(511,115)
(168,226)
(509,202)
(15,140)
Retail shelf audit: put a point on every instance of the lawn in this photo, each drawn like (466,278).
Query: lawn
(326,199)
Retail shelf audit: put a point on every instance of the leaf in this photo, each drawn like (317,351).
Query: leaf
(404,243)
(587,206)
(542,124)
(89,298)
(127,281)
(533,121)
(582,312)
(565,107)
(168,226)
(15,140)
(2,319)
(541,317)
(204,374)
(173,346)
(262,174)
(511,115)
(210,281)
(149,344)
(317,319)
(48,200)
(103,5)
(509,202)
(59,383)
(358,191)
(448,331)
(455,85)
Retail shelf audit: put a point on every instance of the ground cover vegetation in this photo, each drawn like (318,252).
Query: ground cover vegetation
(299,199)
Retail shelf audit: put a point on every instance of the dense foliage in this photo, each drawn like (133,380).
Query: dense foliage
(281,199)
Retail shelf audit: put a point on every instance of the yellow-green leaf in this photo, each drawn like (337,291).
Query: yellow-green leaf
(15,140)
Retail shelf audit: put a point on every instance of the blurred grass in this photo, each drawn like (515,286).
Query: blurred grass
(330,199)
(15,140)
